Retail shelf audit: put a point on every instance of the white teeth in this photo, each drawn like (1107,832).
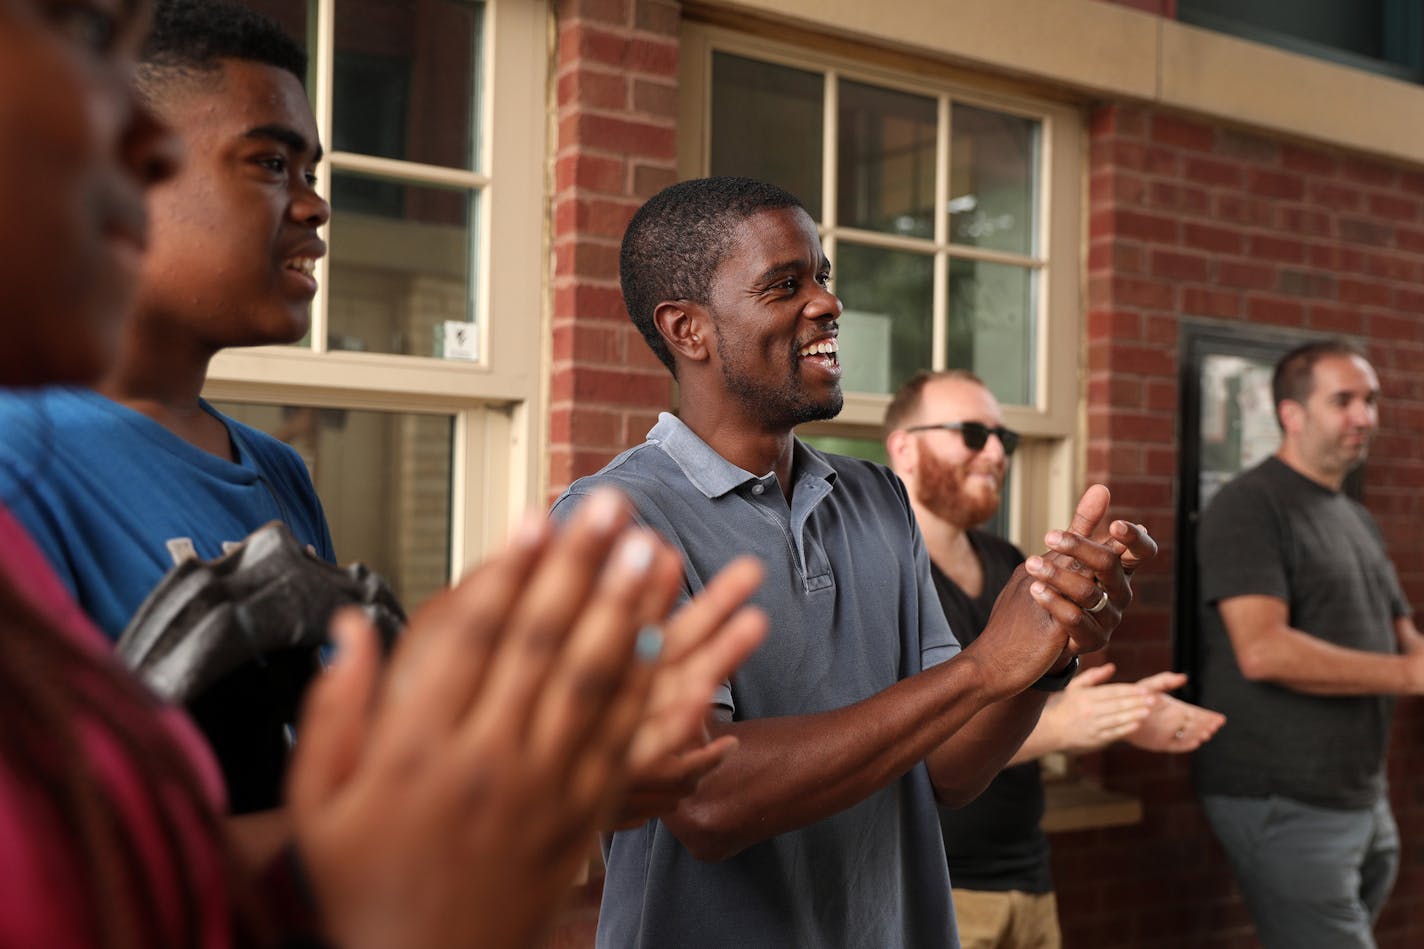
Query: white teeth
(825,347)
(306,265)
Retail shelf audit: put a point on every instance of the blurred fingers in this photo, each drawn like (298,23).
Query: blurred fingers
(335,715)
(1092,676)
(1163,681)
(555,598)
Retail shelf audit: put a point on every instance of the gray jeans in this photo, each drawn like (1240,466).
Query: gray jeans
(1311,876)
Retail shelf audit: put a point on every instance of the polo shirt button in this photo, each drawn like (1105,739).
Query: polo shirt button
(758,488)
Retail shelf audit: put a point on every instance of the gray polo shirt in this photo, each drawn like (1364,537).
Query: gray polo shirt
(853,611)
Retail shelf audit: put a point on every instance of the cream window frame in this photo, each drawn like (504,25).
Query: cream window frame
(496,402)
(1048,464)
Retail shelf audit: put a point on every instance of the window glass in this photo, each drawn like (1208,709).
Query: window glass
(767,123)
(394,517)
(407,76)
(871,449)
(887,327)
(991,326)
(993,180)
(401,267)
(886,156)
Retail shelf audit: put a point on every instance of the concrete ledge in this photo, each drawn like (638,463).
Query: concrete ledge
(1080,805)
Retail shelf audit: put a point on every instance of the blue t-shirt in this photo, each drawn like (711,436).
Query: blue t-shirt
(853,611)
(114,499)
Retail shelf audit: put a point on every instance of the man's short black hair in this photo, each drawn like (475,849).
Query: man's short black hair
(190,38)
(675,242)
(1294,375)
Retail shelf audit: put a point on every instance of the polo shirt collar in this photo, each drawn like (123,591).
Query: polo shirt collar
(714,475)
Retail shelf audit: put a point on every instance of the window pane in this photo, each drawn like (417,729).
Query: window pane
(767,123)
(1354,25)
(993,180)
(394,54)
(871,449)
(991,326)
(886,150)
(886,329)
(394,517)
(400,266)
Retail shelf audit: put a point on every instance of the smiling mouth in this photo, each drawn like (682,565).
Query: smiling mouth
(302,265)
(827,350)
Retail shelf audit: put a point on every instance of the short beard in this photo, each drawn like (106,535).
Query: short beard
(939,487)
(780,407)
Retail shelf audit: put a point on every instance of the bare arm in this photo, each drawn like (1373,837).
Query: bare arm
(1410,639)
(791,771)
(1268,649)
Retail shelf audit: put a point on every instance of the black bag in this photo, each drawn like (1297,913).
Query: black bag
(237,641)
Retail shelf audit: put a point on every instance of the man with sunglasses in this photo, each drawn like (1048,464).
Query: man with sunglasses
(945,437)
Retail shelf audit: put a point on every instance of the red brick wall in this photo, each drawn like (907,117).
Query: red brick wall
(1191,219)
(615,147)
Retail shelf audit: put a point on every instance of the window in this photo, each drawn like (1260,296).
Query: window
(1384,36)
(949,213)
(415,396)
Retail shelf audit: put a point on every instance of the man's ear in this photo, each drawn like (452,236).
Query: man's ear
(902,452)
(1291,414)
(685,327)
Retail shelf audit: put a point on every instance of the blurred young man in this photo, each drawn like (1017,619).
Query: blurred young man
(945,438)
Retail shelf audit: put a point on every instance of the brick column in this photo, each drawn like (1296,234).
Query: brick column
(615,147)
(1188,218)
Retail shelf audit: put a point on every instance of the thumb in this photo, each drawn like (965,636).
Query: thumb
(1092,508)
(1092,676)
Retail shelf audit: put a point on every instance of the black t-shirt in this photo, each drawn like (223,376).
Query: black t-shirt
(996,842)
(1274,532)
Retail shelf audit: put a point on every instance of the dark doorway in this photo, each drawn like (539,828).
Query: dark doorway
(1228,424)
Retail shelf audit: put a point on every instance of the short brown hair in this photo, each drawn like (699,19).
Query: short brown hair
(1294,375)
(907,399)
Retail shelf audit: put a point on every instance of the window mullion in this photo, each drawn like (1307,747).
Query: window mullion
(324,43)
(939,320)
(830,214)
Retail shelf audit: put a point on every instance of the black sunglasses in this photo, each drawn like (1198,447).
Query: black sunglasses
(975,434)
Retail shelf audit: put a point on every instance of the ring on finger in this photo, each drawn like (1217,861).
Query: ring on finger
(1180,733)
(1099,606)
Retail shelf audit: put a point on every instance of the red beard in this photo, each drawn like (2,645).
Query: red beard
(940,487)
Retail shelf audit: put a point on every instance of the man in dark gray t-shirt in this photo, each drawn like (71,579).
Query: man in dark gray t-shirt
(818,831)
(1306,640)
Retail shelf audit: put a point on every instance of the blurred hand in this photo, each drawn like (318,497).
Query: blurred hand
(706,641)
(1174,726)
(450,801)
(1092,713)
